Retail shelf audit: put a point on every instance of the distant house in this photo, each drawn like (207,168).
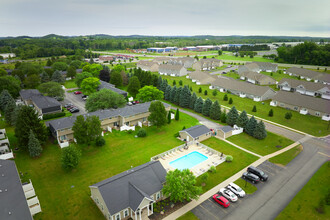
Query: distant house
(243,89)
(207,64)
(105,85)
(130,194)
(162,60)
(43,104)
(148,66)
(257,67)
(302,104)
(227,131)
(309,75)
(187,62)
(195,133)
(257,78)
(305,87)
(172,70)
(161,50)
(133,115)
(13,202)
(201,78)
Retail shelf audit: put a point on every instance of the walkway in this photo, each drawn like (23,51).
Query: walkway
(233,178)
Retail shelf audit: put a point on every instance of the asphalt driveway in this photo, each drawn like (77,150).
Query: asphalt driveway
(76,100)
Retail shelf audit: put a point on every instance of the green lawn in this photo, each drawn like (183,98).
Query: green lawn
(145,58)
(226,170)
(287,156)
(69,84)
(248,187)
(262,147)
(306,123)
(65,195)
(302,206)
(188,216)
(279,76)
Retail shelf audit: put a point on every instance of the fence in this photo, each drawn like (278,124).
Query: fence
(171,151)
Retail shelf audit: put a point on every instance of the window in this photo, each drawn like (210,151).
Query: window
(157,196)
(295,108)
(63,137)
(144,119)
(317,113)
(97,200)
(118,217)
(109,216)
(101,207)
(127,123)
(115,124)
(125,212)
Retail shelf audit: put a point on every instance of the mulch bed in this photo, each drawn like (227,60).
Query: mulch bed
(168,210)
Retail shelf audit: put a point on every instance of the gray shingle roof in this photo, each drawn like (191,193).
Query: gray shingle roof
(202,77)
(29,93)
(170,67)
(266,65)
(226,129)
(311,86)
(126,111)
(256,76)
(197,130)
(106,85)
(45,102)
(303,72)
(299,100)
(129,188)
(12,198)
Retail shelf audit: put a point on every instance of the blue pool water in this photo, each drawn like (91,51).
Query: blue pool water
(188,161)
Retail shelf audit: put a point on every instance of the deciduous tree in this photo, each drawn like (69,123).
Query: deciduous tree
(157,113)
(11,84)
(104,99)
(149,93)
(80,77)
(79,129)
(133,86)
(57,77)
(52,89)
(116,79)
(70,157)
(90,85)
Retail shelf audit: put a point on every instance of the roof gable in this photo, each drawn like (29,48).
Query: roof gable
(197,130)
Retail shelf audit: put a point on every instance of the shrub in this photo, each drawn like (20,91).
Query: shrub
(204,177)
(212,169)
(54,115)
(229,158)
(142,132)
(100,141)
(177,134)
(230,101)
(225,98)
(254,109)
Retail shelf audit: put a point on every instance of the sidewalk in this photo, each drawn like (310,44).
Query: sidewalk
(233,178)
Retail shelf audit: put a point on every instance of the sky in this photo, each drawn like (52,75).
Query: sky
(165,17)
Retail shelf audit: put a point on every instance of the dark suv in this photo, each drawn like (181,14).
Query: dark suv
(263,176)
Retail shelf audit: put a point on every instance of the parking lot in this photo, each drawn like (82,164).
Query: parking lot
(76,100)
(210,210)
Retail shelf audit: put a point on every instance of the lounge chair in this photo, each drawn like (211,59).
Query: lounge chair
(211,154)
(180,149)
(162,157)
(202,169)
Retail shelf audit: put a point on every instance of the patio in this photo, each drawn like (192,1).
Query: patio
(214,158)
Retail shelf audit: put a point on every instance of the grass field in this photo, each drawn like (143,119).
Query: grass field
(286,157)
(65,195)
(246,58)
(302,206)
(306,123)
(188,216)
(226,170)
(262,147)
(69,84)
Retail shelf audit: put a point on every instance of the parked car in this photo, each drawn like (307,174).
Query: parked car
(228,194)
(137,102)
(129,103)
(236,189)
(77,92)
(224,72)
(67,105)
(250,176)
(70,107)
(221,200)
(85,97)
(263,176)
(74,110)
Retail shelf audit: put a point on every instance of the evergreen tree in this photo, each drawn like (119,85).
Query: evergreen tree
(27,119)
(207,106)
(251,125)
(159,82)
(133,86)
(223,117)
(44,77)
(116,78)
(164,85)
(242,120)
(200,90)
(174,82)
(157,114)
(173,94)
(191,88)
(254,109)
(230,101)
(71,72)
(232,116)
(185,97)
(177,95)
(57,77)
(94,128)
(199,105)
(34,146)
(104,75)
(9,111)
(205,92)
(192,101)
(79,129)
(225,98)
(180,82)
(215,92)
(177,115)
(5,98)
(288,115)
(260,131)
(49,62)
(270,113)
(169,117)
(215,111)
(168,91)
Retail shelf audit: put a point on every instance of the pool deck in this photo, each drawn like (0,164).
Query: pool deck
(199,169)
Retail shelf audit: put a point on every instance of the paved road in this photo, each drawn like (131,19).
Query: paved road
(224,70)
(76,100)
(284,132)
(273,196)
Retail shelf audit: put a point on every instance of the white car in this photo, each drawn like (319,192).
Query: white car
(228,194)
(236,189)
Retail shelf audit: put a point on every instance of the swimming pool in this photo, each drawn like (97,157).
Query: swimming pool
(188,161)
